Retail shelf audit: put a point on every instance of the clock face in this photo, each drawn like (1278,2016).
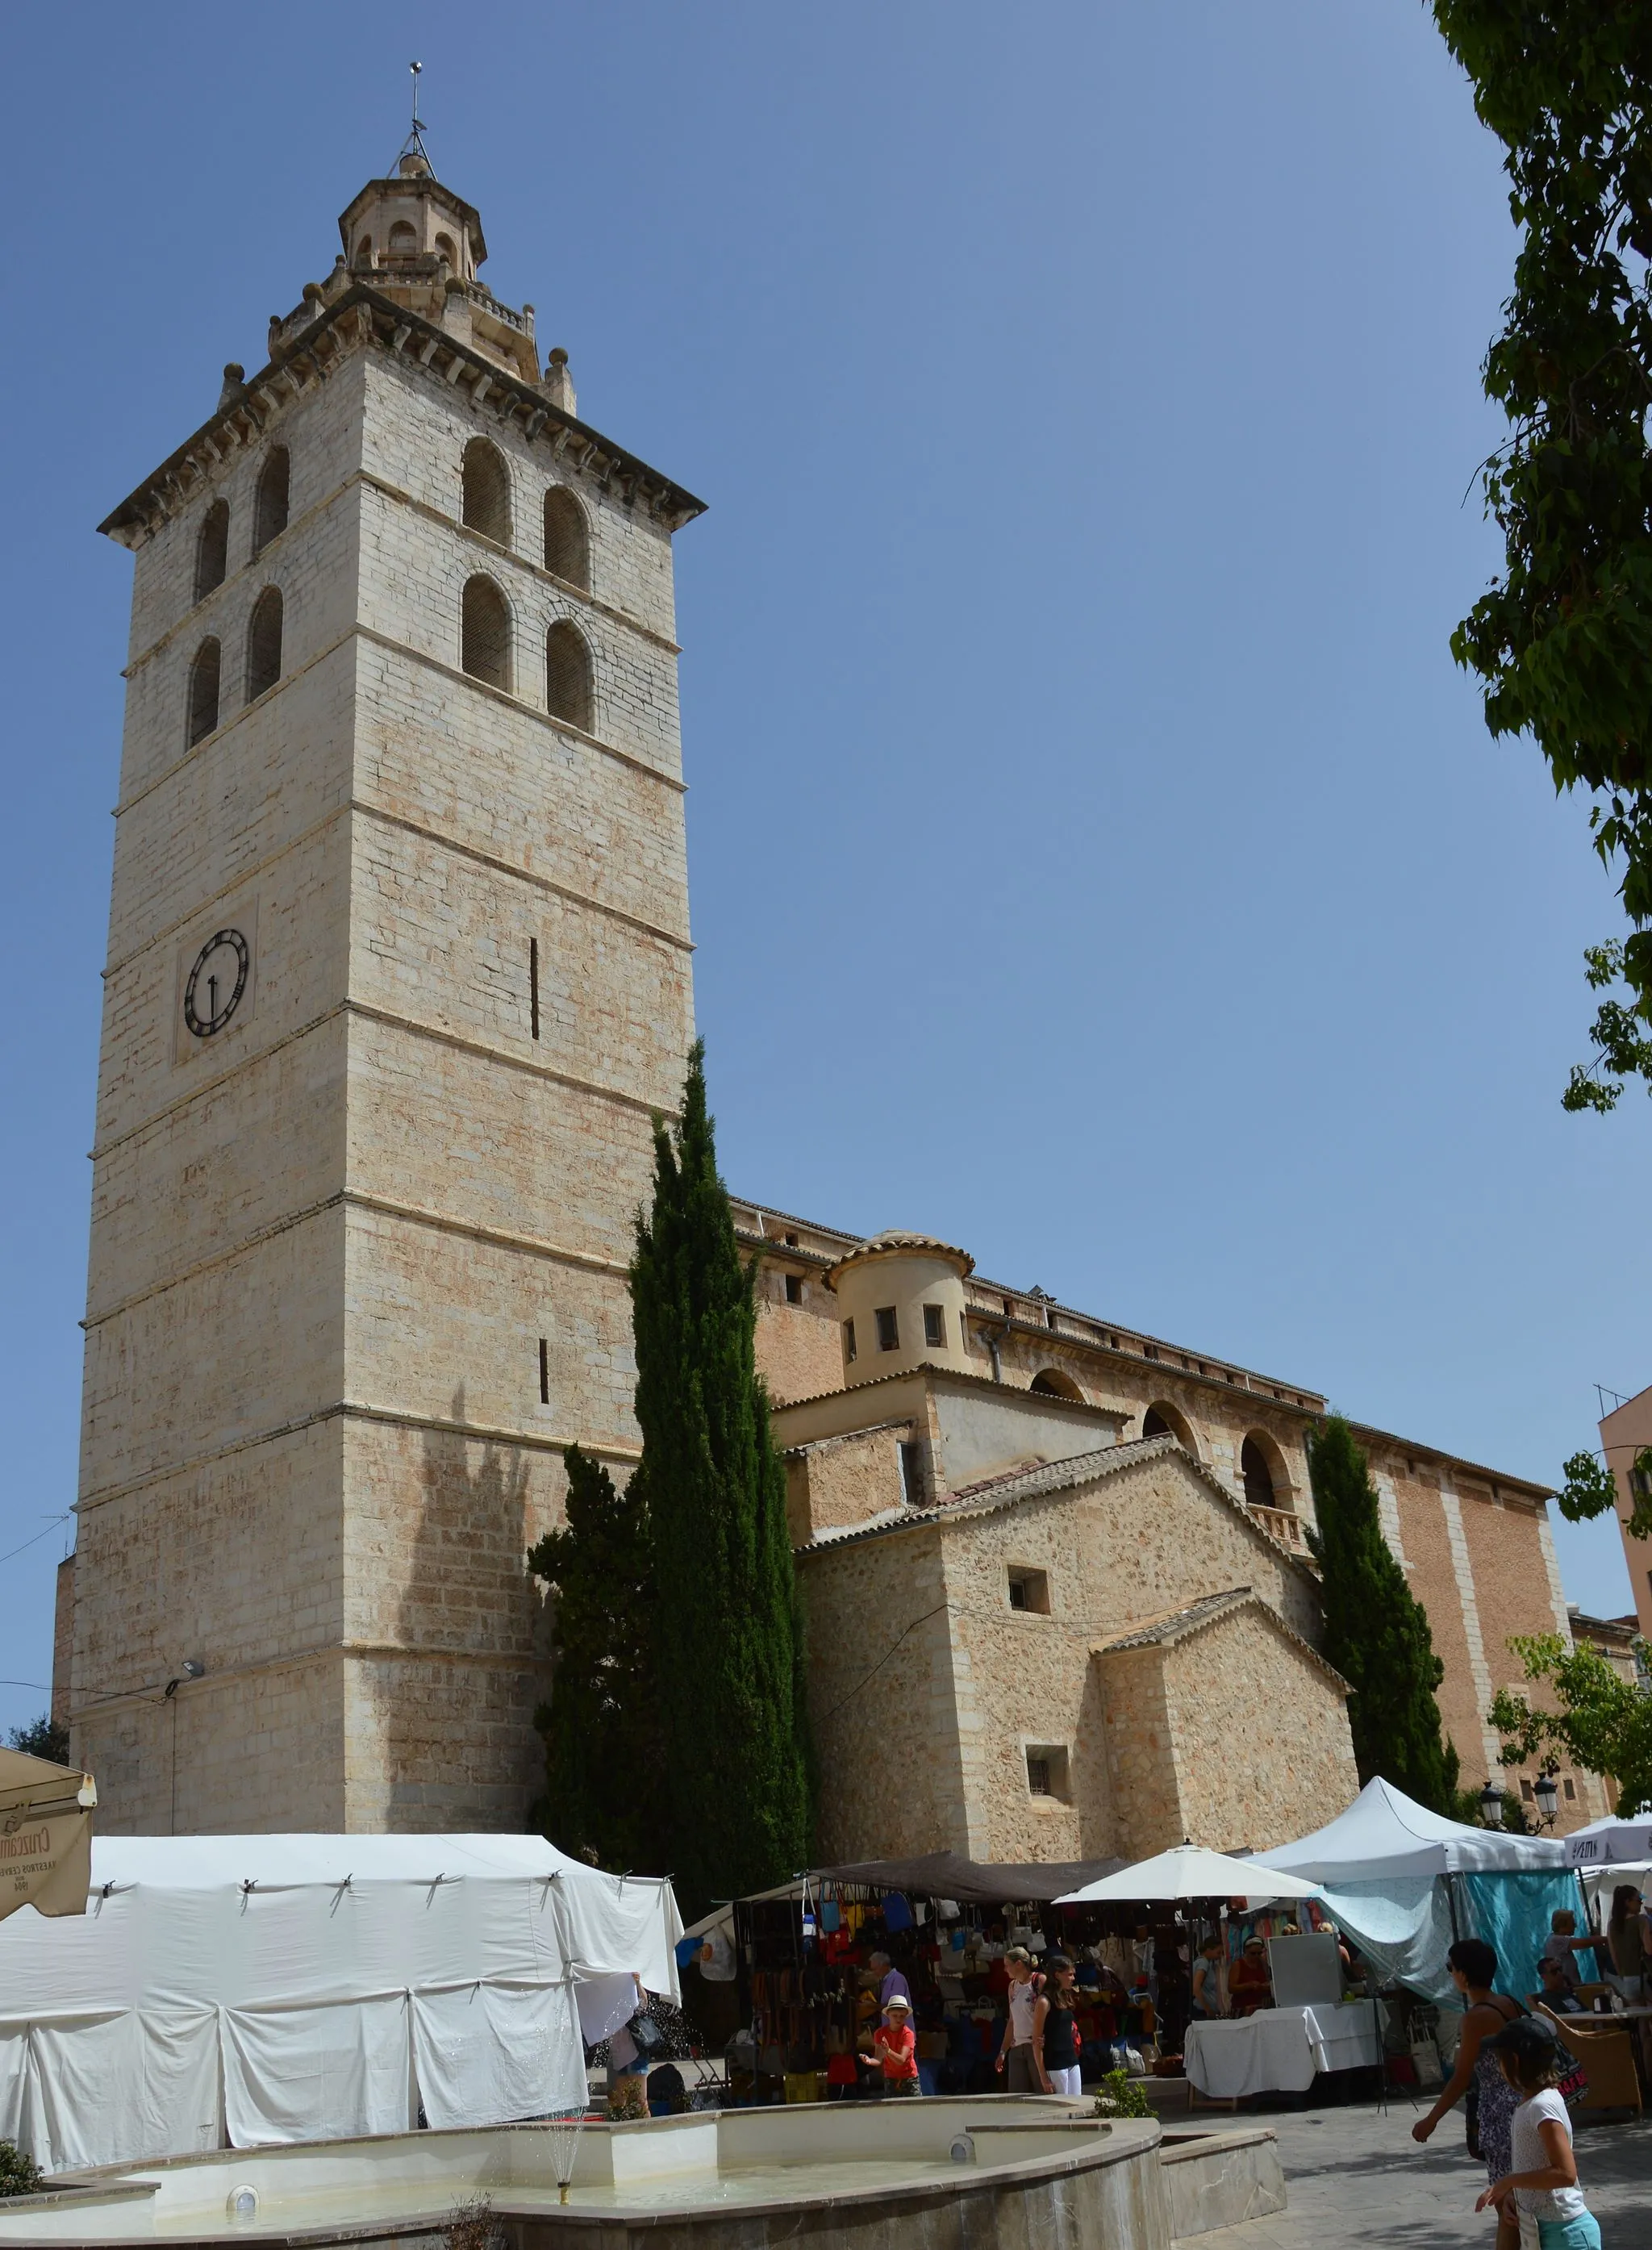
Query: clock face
(216,982)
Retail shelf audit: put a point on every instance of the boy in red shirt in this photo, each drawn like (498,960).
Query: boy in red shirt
(895,2044)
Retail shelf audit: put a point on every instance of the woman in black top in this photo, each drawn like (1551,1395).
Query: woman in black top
(1055,2029)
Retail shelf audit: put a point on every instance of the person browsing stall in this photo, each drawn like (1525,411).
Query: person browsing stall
(1055,2029)
(1018,2057)
(889,1981)
(1206,1980)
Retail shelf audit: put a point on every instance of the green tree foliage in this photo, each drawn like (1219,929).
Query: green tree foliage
(1563,641)
(1376,1633)
(1121,2095)
(1590,1490)
(43,1738)
(604,1754)
(19,2175)
(1602,1723)
(730,1641)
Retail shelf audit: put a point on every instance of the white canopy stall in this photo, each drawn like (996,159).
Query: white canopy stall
(243,1989)
(1404,1881)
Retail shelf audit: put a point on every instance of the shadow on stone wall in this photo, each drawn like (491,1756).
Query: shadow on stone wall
(459,1736)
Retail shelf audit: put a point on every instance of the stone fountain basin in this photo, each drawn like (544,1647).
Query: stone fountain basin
(836,2175)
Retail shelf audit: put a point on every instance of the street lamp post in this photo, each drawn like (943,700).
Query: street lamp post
(1548,1798)
(1491,1806)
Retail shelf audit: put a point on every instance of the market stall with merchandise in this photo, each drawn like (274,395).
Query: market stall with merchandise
(798,1973)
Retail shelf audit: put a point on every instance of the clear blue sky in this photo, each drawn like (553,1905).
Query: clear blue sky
(1096,858)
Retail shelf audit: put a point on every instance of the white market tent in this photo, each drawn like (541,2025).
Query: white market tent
(1404,1882)
(1189,1872)
(1617,1841)
(245,1989)
(1384,1833)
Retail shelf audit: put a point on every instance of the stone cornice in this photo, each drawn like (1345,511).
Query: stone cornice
(359,317)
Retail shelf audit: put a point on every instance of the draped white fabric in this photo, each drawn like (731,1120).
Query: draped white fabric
(324,1979)
(511,2048)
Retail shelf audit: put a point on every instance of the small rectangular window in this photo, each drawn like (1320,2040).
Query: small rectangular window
(1570,1792)
(545,1372)
(936,1325)
(1046,1770)
(888,1329)
(1028,1590)
(849,1343)
(1525,1792)
(791,1242)
(794,1289)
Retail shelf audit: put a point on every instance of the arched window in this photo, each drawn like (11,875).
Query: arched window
(567,539)
(269,510)
(444,249)
(1053,1382)
(405,240)
(568,675)
(487,491)
(1253,1467)
(1162,1420)
(364,251)
(484,632)
(212,549)
(263,644)
(204,674)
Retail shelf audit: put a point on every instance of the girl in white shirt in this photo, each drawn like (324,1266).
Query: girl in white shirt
(1541,2183)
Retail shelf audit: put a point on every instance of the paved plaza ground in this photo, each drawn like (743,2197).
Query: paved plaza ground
(1355,2177)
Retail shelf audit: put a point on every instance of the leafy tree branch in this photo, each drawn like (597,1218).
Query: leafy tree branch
(1562,641)
(1602,1723)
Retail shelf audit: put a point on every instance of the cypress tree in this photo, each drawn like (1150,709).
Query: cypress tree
(605,1760)
(729,1643)
(1376,1631)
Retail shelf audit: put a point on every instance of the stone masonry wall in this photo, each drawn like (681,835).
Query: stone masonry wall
(1261,1732)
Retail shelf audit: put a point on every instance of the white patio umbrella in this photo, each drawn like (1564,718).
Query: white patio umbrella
(1188,1871)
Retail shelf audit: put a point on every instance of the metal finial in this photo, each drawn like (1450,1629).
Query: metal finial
(414,144)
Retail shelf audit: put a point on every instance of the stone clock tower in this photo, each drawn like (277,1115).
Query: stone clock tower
(398,968)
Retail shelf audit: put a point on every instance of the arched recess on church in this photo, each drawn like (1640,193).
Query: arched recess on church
(212,549)
(263,644)
(1164,1420)
(1056,1382)
(568,538)
(1267,1481)
(270,503)
(487,501)
(568,692)
(484,632)
(205,674)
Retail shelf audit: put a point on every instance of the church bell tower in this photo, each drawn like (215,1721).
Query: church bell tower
(398,968)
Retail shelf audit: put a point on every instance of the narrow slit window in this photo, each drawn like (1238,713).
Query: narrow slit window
(263,644)
(794,1289)
(936,1325)
(270,505)
(212,549)
(568,675)
(204,676)
(848,1348)
(545,1371)
(913,1483)
(533,984)
(567,541)
(484,634)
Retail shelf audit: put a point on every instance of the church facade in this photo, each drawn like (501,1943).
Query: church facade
(398,971)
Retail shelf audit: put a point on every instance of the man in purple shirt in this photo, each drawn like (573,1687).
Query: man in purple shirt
(889,1981)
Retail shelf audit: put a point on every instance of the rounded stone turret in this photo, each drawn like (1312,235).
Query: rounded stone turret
(902,1302)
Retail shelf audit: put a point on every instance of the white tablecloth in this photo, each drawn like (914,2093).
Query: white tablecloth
(1281,2048)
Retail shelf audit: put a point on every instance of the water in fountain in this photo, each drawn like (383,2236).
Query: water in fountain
(564,2126)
